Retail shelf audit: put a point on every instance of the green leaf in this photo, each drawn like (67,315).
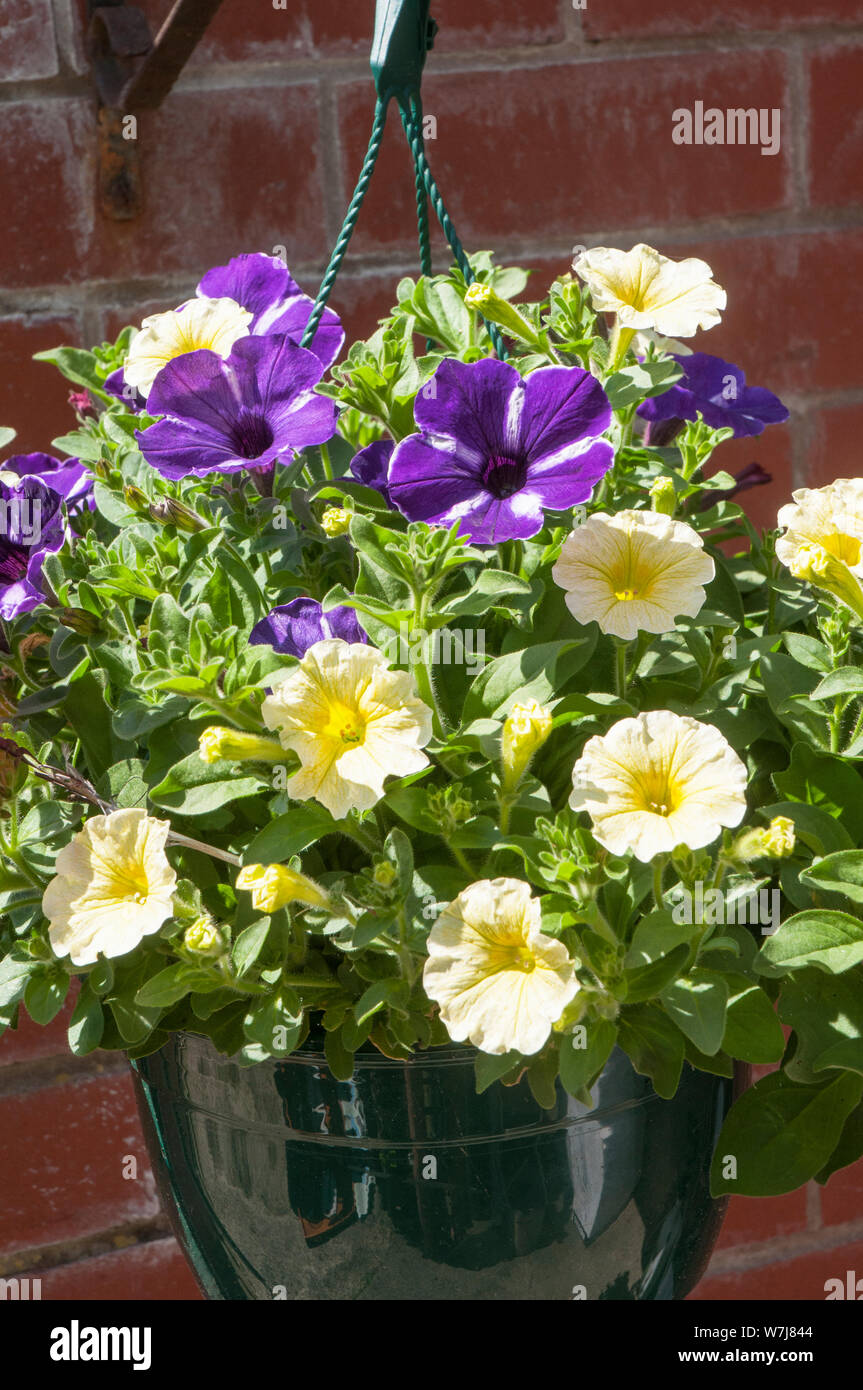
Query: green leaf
(654,1046)
(631,385)
(275,1023)
(649,980)
(753,1032)
(165,988)
(45,997)
(339,1060)
(838,873)
(655,936)
(817,828)
(826,1013)
(87,1023)
(534,671)
(135,1022)
(846,680)
(848,1150)
(491,1067)
(580,1066)
(290,834)
(832,941)
(249,944)
(697,1004)
(382,994)
(194,788)
(782,1134)
(541,1077)
(489,589)
(15,972)
(829,783)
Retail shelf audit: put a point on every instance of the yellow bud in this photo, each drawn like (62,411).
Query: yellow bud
(336,521)
(218,742)
(203,936)
(525,730)
(384,874)
(274,885)
(663,497)
(776,841)
(817,566)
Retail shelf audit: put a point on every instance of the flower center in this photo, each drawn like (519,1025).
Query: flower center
(13,562)
(345,725)
(349,733)
(252,434)
(843,547)
(503,476)
(525,960)
(625,595)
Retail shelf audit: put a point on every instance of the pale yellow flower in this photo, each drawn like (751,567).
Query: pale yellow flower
(113,886)
(633,572)
(647,290)
(275,885)
(774,841)
(499,981)
(658,781)
(203,936)
(351,721)
(336,521)
(199,323)
(823,538)
(235,745)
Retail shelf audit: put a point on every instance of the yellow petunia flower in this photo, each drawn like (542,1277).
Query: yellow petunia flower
(648,291)
(113,886)
(351,721)
(275,885)
(658,781)
(499,981)
(633,572)
(823,540)
(525,730)
(199,323)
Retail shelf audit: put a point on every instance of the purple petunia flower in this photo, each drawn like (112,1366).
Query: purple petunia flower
(294,627)
(31,525)
(495,449)
(265,286)
(371,465)
(117,386)
(717,391)
(244,411)
(67,477)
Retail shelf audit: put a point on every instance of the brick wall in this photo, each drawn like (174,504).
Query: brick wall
(553,129)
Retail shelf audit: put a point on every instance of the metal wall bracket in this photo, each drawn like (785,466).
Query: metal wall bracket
(134,72)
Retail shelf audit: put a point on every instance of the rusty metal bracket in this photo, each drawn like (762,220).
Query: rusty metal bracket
(134,72)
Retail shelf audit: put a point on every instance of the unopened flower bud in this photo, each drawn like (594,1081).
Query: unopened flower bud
(776,841)
(135,499)
(80,621)
(663,497)
(488,302)
(336,521)
(203,936)
(235,745)
(169,512)
(817,566)
(274,885)
(384,874)
(525,730)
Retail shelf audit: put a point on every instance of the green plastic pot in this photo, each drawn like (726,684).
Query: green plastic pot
(402,1183)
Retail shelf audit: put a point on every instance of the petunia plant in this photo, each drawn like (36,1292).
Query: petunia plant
(431,698)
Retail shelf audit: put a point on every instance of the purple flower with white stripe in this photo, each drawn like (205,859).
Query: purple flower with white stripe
(31,525)
(252,409)
(294,627)
(496,449)
(717,391)
(265,286)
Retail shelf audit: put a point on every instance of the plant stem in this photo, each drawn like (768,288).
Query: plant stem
(174,838)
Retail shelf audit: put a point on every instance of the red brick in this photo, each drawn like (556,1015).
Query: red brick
(34,397)
(558,150)
(48,207)
(223,172)
(256,32)
(836,131)
(31,1041)
(842,1196)
(799,1279)
(27,39)
(632,18)
(155,1271)
(774,324)
(750,1220)
(772,450)
(61,1163)
(835,445)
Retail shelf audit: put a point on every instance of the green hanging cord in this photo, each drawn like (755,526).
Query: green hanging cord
(412,121)
(349,223)
(416,117)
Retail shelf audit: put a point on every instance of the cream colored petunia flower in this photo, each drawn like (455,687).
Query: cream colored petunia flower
(199,323)
(647,290)
(658,781)
(633,572)
(823,540)
(499,981)
(351,721)
(113,886)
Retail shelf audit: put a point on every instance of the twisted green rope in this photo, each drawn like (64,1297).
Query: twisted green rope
(349,223)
